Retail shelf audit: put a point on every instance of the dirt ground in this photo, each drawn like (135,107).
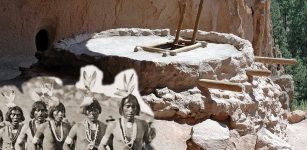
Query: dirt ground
(297,135)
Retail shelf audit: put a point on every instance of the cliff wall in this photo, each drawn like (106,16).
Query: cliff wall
(21,21)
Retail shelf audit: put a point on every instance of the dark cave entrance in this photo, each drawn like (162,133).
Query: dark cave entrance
(42,40)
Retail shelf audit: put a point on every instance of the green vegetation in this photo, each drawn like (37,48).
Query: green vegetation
(299,105)
(289,20)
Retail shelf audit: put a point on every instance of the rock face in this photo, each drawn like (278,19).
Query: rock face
(31,25)
(286,83)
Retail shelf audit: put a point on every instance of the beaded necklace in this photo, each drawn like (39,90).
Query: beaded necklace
(12,136)
(52,124)
(32,126)
(88,133)
(128,142)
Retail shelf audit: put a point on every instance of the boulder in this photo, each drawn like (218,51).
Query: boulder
(268,141)
(171,135)
(210,135)
(237,142)
(296,116)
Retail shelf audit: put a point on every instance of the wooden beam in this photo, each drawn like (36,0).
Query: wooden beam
(270,60)
(152,49)
(185,49)
(184,41)
(157,45)
(258,72)
(237,87)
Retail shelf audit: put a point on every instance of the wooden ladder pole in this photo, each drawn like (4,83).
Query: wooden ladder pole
(183,6)
(200,7)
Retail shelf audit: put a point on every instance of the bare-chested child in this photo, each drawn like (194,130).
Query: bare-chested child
(87,134)
(38,116)
(10,132)
(54,131)
(128,132)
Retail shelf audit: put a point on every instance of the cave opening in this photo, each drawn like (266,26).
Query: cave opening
(42,40)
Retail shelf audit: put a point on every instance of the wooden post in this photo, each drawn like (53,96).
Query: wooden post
(200,7)
(257,72)
(237,87)
(180,23)
(270,60)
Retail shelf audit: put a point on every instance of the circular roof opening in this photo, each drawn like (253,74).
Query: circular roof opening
(42,40)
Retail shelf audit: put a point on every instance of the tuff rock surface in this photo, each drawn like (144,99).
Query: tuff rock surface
(21,20)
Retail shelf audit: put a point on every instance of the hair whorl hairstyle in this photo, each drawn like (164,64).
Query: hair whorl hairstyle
(37,105)
(59,107)
(9,112)
(94,105)
(129,98)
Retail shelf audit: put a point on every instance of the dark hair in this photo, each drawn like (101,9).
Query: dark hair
(93,105)
(131,98)
(36,105)
(59,107)
(1,115)
(9,112)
